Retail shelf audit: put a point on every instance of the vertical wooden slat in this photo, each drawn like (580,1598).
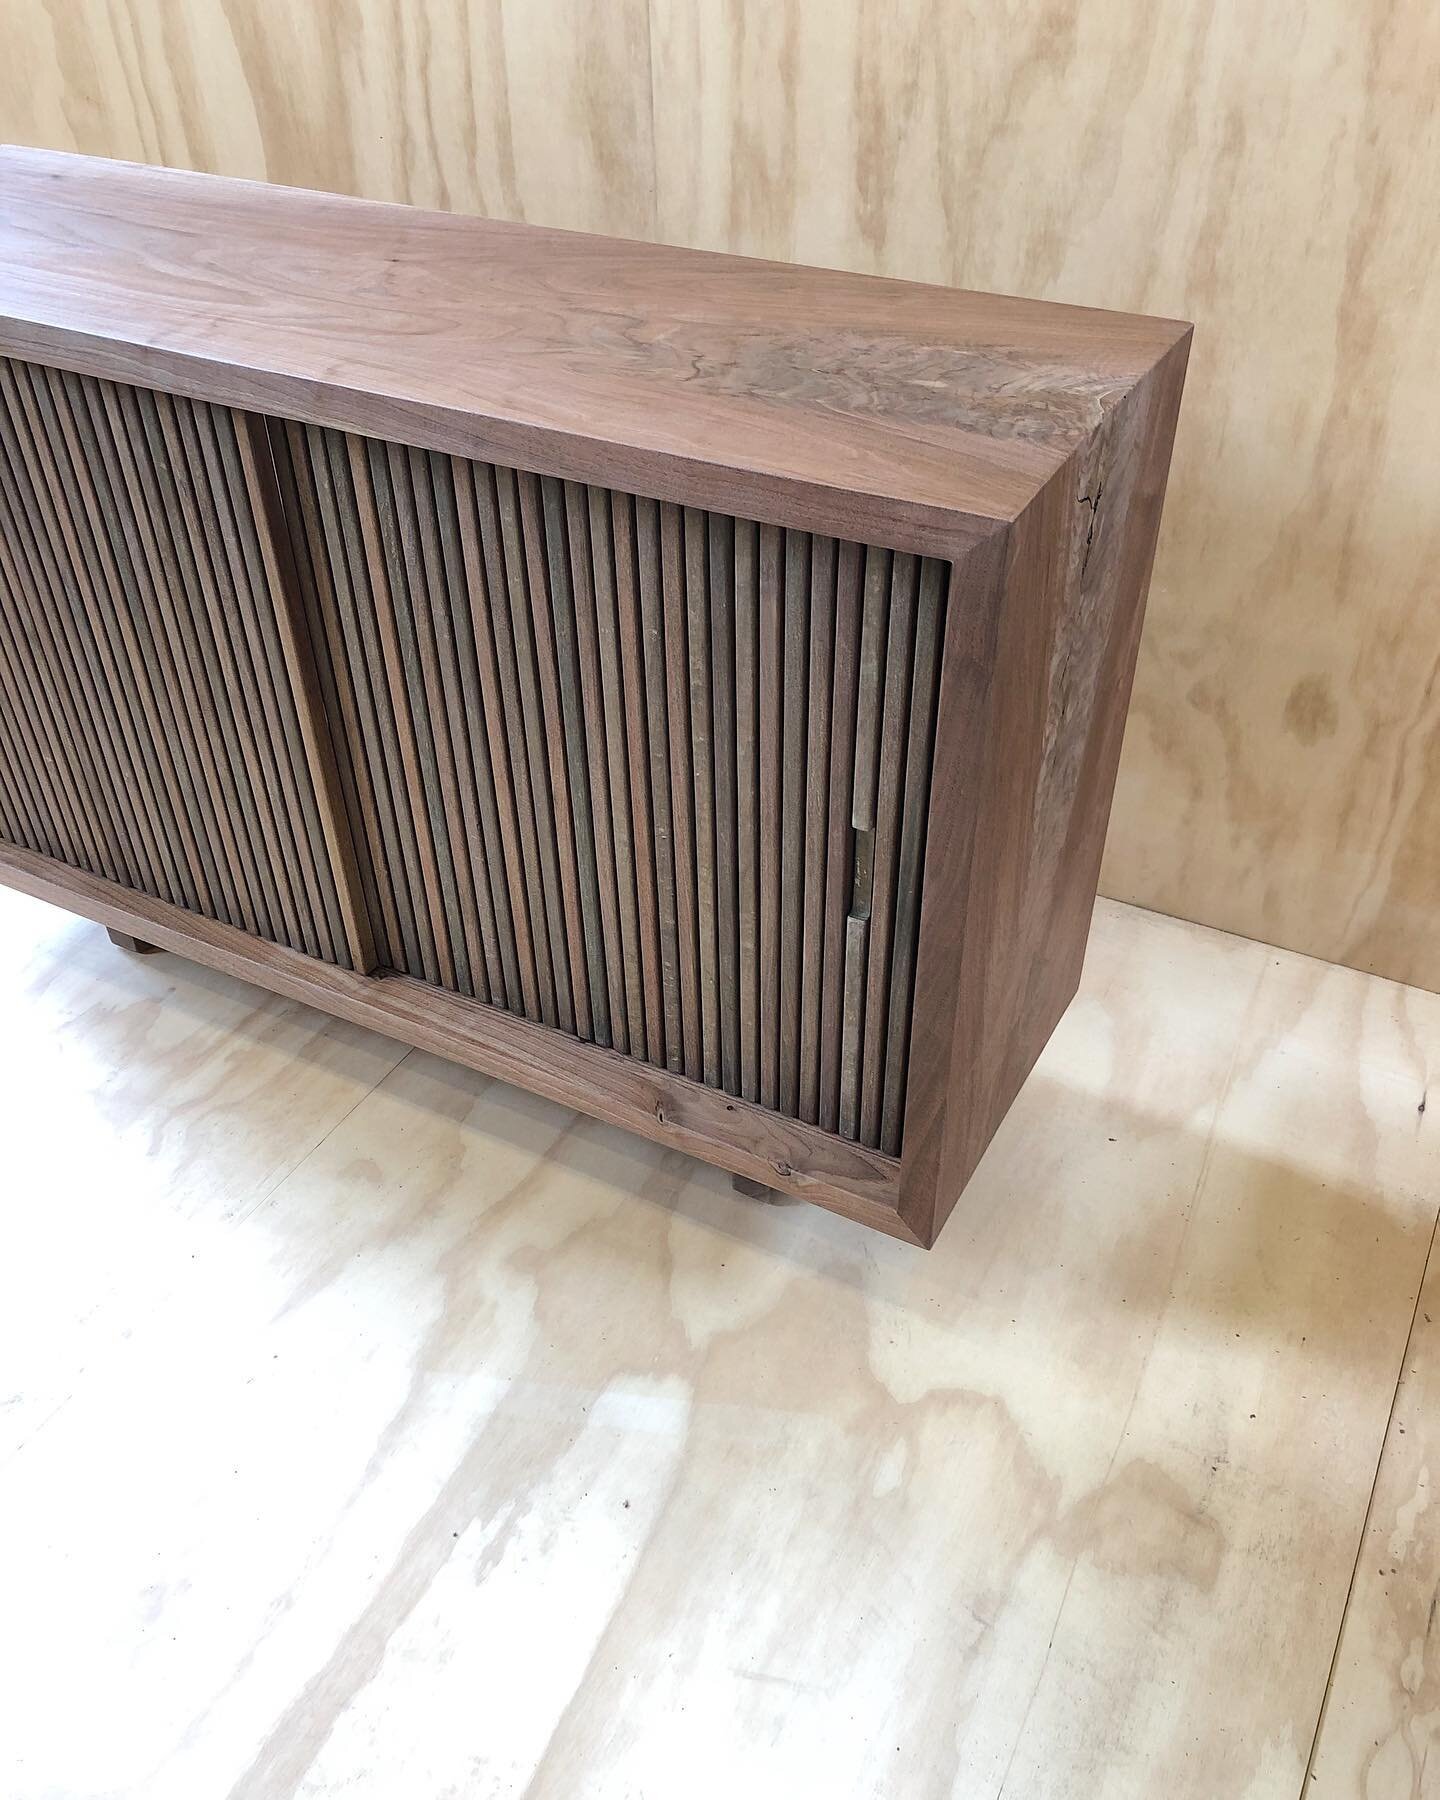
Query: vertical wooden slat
(509,705)
(874,622)
(613,521)
(839,854)
(869,717)
(890,772)
(792,811)
(929,629)
(720,550)
(857,932)
(569,784)
(567,536)
(513,598)
(818,805)
(747,799)
(593,571)
(701,711)
(682,795)
(652,618)
(771,659)
(448,714)
(434,793)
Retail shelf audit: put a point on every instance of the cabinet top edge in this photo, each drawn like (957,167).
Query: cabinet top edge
(883,410)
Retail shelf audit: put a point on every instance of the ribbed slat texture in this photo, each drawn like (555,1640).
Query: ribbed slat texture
(656,777)
(653,776)
(149,730)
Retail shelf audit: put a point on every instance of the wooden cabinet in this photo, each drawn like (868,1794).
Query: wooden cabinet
(688,687)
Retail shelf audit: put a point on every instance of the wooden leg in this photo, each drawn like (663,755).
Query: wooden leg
(752,1190)
(136,946)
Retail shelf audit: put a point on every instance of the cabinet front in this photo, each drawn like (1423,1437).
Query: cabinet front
(655,777)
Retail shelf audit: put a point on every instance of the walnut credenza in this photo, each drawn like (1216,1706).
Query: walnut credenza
(688,687)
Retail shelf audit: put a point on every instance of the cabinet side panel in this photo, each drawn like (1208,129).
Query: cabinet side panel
(953,913)
(1077,568)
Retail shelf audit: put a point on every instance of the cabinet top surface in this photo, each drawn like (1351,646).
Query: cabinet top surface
(873,408)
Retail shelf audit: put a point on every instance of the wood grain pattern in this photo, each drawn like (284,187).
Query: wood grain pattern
(459,109)
(312,1360)
(914,416)
(1042,634)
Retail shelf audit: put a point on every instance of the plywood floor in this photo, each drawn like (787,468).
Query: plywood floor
(367,1429)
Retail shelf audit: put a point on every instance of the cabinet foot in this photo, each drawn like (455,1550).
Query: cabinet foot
(752,1190)
(136,946)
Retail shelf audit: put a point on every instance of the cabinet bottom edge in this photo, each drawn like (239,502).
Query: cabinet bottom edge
(714,1127)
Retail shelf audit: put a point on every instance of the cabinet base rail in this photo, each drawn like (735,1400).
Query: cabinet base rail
(732,1134)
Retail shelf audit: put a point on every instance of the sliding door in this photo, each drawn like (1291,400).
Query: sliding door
(653,776)
(157,725)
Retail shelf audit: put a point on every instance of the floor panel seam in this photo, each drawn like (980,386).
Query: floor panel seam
(1320,1716)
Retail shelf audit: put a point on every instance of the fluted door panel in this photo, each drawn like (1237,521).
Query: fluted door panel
(151,726)
(653,776)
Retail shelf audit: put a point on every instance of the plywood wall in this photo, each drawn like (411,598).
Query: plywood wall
(1269,171)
